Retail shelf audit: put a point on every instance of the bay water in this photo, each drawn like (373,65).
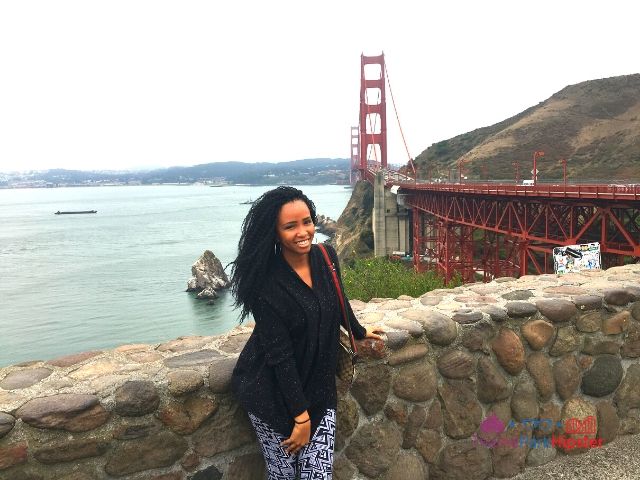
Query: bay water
(73,283)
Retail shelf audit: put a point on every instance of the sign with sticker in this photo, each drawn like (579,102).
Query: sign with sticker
(575,258)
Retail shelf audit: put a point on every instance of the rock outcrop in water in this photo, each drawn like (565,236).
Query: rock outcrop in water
(208,276)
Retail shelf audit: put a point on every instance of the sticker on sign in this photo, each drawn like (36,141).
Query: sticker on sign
(574,258)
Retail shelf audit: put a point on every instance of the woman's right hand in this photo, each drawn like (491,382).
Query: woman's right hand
(373,332)
(300,436)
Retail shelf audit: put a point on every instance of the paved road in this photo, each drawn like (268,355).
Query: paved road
(619,460)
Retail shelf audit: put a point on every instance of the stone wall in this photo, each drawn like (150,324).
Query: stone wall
(473,382)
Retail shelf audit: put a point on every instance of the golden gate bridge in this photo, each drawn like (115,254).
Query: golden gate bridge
(489,229)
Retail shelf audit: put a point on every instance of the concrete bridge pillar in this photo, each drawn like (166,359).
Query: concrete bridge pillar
(391,232)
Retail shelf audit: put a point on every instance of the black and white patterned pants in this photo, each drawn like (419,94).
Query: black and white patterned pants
(314,461)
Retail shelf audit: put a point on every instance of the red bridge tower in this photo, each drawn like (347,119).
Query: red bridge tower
(373,115)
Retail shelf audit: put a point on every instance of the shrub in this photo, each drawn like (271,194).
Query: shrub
(380,277)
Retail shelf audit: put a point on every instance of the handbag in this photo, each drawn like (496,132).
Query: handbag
(347,350)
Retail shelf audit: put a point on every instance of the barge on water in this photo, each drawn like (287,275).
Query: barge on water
(77,212)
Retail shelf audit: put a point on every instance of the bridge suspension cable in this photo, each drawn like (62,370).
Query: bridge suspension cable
(393,101)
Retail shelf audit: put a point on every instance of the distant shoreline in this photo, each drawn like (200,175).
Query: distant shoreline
(45,187)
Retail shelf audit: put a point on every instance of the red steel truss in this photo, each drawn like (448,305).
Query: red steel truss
(480,234)
(373,117)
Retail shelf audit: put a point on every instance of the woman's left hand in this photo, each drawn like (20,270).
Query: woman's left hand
(372,332)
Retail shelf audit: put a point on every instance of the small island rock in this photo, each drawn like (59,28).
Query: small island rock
(208,276)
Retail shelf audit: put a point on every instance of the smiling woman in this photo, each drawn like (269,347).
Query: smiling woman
(295,233)
(285,375)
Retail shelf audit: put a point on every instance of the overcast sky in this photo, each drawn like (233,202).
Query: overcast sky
(128,84)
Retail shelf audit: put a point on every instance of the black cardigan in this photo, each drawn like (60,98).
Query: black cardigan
(289,362)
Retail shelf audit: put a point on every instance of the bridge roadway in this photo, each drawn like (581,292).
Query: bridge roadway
(601,191)
(545,190)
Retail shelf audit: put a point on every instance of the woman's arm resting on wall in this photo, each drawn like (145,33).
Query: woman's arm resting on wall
(359,332)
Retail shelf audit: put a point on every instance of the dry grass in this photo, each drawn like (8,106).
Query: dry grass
(595,124)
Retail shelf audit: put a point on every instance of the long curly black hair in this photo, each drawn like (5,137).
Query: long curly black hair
(256,248)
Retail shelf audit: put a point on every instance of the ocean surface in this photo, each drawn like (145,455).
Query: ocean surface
(72,283)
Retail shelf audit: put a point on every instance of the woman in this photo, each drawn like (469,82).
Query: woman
(285,375)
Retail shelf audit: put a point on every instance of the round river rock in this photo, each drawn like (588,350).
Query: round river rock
(439,328)
(220,372)
(538,333)
(521,309)
(371,387)
(557,310)
(492,386)
(455,364)
(374,447)
(24,378)
(65,411)
(604,376)
(6,423)
(566,375)
(416,383)
(136,397)
(509,351)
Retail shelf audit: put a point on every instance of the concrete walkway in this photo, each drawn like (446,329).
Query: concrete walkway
(619,460)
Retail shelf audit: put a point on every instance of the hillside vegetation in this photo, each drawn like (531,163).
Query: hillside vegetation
(595,125)
(367,278)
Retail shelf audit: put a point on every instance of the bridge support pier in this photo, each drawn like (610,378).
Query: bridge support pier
(391,232)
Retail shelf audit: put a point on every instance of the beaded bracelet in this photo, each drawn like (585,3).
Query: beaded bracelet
(300,423)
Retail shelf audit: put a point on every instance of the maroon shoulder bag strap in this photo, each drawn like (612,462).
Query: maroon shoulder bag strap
(336,282)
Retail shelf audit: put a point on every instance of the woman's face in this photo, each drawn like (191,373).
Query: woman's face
(295,228)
